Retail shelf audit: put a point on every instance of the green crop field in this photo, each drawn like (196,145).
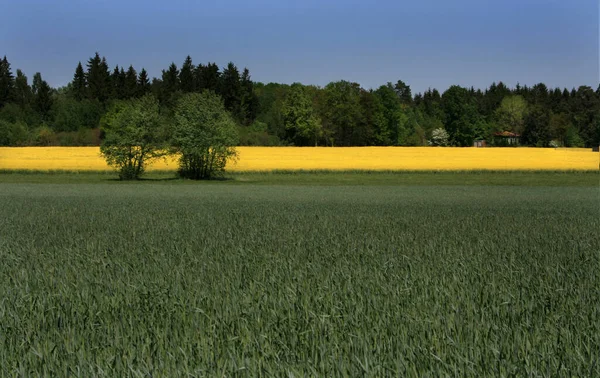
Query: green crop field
(278,279)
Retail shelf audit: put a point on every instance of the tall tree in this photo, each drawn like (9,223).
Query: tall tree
(7,83)
(231,90)
(170,85)
(511,114)
(462,117)
(98,78)
(403,92)
(117,80)
(249,103)
(130,85)
(186,76)
(301,122)
(23,93)
(342,116)
(79,83)
(42,96)
(537,131)
(143,83)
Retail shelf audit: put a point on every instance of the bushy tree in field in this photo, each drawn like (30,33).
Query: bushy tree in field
(439,137)
(204,135)
(132,136)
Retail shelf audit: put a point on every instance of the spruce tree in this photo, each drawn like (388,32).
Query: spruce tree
(98,78)
(231,90)
(249,102)
(186,76)
(143,83)
(42,96)
(170,80)
(130,82)
(22,90)
(7,83)
(117,85)
(79,83)
(208,77)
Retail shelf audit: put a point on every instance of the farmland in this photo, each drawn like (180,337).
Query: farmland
(270,275)
(323,158)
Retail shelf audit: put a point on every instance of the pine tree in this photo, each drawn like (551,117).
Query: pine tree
(79,83)
(131,89)
(170,79)
(98,78)
(186,76)
(249,103)
(42,96)
(7,83)
(143,83)
(231,90)
(403,92)
(208,77)
(22,90)
(116,83)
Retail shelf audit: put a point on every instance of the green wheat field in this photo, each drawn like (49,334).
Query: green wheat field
(157,279)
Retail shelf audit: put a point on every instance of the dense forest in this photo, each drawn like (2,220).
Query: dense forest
(340,114)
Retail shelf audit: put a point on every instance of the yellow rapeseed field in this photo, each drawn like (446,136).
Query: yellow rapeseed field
(330,158)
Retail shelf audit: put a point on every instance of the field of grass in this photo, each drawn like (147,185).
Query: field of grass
(327,158)
(249,277)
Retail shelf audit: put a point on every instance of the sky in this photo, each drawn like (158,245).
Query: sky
(425,43)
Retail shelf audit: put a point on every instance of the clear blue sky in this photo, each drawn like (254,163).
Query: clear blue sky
(426,43)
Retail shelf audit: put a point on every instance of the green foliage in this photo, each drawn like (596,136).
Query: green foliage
(342,117)
(510,115)
(461,116)
(13,133)
(79,83)
(204,135)
(98,79)
(186,76)
(300,119)
(72,115)
(42,97)
(231,90)
(7,83)
(169,280)
(536,132)
(132,136)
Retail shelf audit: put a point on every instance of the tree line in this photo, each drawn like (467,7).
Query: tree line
(340,114)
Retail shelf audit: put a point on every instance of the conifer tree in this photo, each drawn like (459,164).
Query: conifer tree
(79,83)
(186,76)
(170,79)
(22,89)
(249,102)
(42,96)
(208,77)
(231,90)
(98,78)
(143,83)
(7,83)
(130,89)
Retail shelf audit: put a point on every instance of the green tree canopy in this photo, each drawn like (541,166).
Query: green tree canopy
(300,119)
(132,136)
(204,135)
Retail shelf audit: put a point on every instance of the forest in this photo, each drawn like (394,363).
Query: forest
(340,114)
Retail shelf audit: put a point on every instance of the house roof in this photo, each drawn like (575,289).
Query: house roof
(507,134)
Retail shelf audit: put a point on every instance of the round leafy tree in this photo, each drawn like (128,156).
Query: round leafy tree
(132,136)
(204,135)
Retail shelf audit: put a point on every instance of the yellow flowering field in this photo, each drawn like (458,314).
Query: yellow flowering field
(330,158)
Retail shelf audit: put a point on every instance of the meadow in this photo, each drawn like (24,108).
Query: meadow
(285,278)
(327,158)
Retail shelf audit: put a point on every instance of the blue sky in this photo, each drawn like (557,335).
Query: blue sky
(426,43)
